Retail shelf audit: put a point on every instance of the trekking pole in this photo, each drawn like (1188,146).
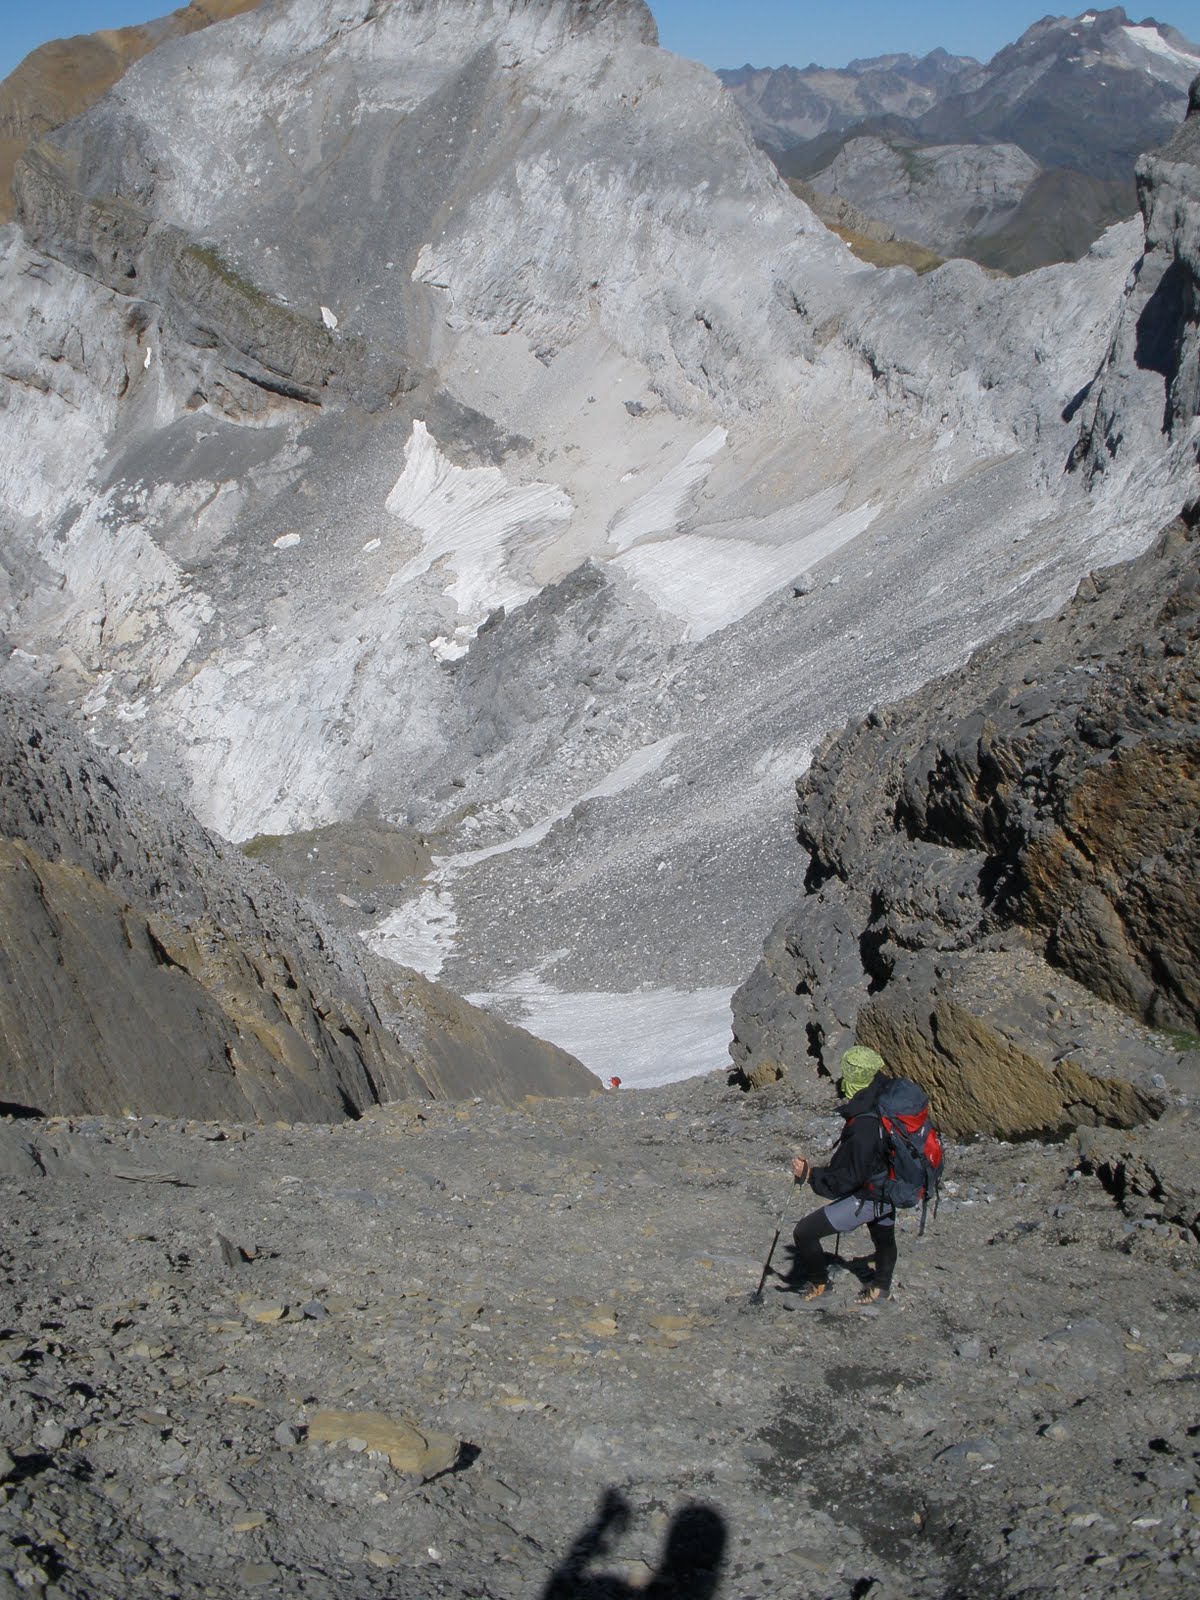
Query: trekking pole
(756,1297)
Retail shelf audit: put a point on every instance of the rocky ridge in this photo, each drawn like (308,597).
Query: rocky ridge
(1015,163)
(936,195)
(789,106)
(1029,817)
(1156,342)
(148,965)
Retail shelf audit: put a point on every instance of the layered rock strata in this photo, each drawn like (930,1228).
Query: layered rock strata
(148,967)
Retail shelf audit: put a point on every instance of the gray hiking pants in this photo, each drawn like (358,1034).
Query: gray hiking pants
(843,1216)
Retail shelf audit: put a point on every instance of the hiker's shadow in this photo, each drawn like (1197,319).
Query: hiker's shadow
(690,1567)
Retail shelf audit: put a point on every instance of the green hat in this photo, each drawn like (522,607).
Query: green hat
(859,1067)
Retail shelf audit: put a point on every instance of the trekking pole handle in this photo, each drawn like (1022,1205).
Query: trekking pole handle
(787,1204)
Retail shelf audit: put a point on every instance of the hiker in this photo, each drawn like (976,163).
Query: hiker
(859,1156)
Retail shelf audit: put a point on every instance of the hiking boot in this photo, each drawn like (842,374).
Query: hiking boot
(814,1297)
(873,1297)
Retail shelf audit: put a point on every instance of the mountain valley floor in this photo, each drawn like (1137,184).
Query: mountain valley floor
(458,1350)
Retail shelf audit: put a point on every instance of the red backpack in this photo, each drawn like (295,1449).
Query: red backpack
(913,1149)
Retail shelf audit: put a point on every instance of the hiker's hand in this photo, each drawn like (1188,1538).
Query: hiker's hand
(614,1511)
(800,1169)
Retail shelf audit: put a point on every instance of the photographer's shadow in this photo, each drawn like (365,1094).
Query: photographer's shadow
(689,1569)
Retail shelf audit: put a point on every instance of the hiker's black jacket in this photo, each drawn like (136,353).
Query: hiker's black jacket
(860,1152)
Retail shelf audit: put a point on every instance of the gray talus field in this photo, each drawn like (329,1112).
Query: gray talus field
(420,1356)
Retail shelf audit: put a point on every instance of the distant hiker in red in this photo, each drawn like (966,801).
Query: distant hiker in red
(860,1154)
(614,1083)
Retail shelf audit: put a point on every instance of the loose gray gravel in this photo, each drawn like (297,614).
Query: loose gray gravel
(565,1289)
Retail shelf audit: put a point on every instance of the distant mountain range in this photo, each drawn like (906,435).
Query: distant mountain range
(1016,163)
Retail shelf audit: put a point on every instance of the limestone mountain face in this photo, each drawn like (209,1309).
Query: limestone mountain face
(1157,340)
(148,966)
(1034,815)
(61,79)
(398,425)
(937,195)
(1015,163)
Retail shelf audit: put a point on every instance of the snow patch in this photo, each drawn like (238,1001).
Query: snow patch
(328,318)
(446,649)
(287,541)
(660,510)
(710,580)
(778,768)
(486,530)
(1149,39)
(418,934)
(644,1038)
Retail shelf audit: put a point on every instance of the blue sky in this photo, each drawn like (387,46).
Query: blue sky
(722,33)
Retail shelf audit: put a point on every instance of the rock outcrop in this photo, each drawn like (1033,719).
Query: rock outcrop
(1033,814)
(1150,382)
(61,79)
(148,968)
(941,196)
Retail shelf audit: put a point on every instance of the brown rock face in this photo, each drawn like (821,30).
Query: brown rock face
(1033,814)
(104,1007)
(146,967)
(988,1070)
(59,80)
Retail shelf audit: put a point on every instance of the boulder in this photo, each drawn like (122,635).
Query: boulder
(407,1448)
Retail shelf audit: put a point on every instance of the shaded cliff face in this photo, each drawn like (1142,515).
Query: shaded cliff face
(61,79)
(1149,383)
(1034,815)
(148,968)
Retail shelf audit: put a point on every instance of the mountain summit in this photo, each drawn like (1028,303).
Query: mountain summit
(1016,163)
